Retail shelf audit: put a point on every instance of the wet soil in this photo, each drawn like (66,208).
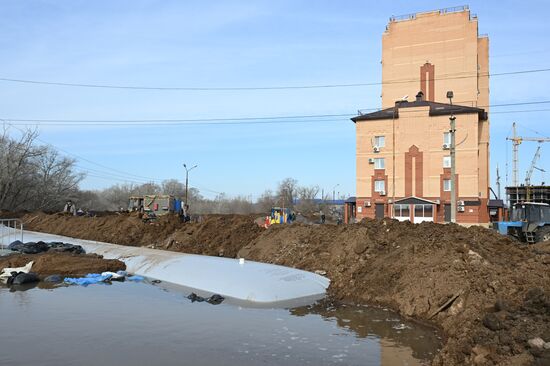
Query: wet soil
(64,264)
(489,294)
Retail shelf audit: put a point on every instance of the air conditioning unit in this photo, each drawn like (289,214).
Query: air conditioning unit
(376,149)
(371,161)
(446,146)
(460,203)
(460,208)
(382,193)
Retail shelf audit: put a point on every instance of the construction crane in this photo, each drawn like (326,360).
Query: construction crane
(532,167)
(516,141)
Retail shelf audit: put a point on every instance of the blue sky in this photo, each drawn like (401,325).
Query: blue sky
(238,44)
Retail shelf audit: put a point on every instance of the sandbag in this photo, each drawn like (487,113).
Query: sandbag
(215,299)
(65,247)
(29,247)
(23,278)
(53,279)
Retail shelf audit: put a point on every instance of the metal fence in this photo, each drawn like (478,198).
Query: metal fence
(10,230)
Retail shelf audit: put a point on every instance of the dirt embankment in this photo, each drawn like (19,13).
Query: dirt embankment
(215,235)
(458,278)
(489,294)
(63,264)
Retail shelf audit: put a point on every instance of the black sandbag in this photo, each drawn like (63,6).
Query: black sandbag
(66,247)
(29,247)
(194,297)
(53,279)
(215,299)
(23,278)
(15,245)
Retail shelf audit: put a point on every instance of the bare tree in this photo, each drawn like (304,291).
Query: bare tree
(34,177)
(306,201)
(173,187)
(266,201)
(287,191)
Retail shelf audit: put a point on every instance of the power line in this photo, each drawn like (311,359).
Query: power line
(83,158)
(281,87)
(240,120)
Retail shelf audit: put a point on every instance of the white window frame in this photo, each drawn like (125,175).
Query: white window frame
(445,183)
(379,141)
(379,163)
(447,138)
(377,184)
(398,210)
(446,162)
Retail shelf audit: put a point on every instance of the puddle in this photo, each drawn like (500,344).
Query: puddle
(142,324)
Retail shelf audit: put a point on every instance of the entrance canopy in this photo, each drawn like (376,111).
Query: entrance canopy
(412,200)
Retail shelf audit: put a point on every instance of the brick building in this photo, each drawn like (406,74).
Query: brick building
(402,155)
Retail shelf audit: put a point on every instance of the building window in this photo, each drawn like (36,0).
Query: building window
(446,162)
(401,211)
(379,186)
(447,138)
(379,141)
(446,185)
(379,163)
(423,211)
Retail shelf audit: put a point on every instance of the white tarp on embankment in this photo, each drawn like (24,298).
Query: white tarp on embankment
(255,282)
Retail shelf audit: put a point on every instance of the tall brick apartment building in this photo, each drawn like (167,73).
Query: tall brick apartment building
(402,152)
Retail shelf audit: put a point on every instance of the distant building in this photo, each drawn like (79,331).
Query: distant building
(402,155)
(540,194)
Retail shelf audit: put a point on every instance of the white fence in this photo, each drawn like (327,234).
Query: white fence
(10,230)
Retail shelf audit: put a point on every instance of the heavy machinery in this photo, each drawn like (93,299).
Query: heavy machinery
(529,222)
(280,215)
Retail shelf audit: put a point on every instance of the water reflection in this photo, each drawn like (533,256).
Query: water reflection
(393,331)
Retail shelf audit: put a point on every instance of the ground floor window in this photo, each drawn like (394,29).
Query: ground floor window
(423,210)
(401,211)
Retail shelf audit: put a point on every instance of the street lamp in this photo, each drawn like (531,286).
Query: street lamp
(333,192)
(187,180)
(452,131)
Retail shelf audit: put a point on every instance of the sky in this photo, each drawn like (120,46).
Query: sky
(239,44)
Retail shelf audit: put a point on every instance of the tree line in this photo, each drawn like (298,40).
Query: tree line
(37,177)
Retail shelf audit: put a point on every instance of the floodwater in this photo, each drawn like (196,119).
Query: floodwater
(143,324)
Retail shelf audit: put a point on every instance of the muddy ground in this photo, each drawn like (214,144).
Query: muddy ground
(63,264)
(489,294)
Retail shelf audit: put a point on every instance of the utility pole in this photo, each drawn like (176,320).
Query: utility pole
(498,183)
(187,181)
(452,132)
(334,192)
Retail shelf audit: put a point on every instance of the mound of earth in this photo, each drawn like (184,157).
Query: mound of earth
(64,264)
(445,274)
(212,235)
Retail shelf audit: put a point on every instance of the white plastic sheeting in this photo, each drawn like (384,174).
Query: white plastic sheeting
(260,283)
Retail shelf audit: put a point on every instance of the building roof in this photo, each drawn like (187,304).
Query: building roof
(351,199)
(436,109)
(495,203)
(412,200)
